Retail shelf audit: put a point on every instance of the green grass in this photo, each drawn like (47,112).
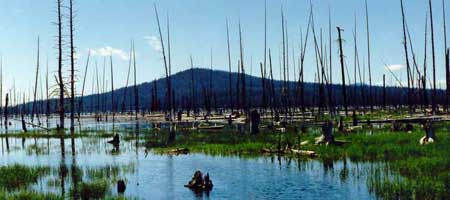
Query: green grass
(94,190)
(20,176)
(28,195)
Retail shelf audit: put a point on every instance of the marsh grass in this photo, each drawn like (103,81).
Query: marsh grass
(20,177)
(28,195)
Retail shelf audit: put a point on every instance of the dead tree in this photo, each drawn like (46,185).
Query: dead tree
(330,81)
(263,72)
(384,91)
(344,92)
(47,109)
(424,77)
(302,62)
(72,68)
(272,88)
(33,111)
(447,76)
(193,99)
(1,89)
(263,83)
(405,45)
(113,107)
(80,104)
(166,65)
(136,91)
(433,99)
(368,57)
(6,111)
(230,88)
(244,97)
(122,107)
(447,70)
(60,65)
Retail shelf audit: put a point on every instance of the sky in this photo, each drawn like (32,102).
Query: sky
(198,27)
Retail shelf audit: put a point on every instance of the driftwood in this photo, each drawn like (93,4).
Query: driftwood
(353,128)
(179,151)
(207,127)
(288,150)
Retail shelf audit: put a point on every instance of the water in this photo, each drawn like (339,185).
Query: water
(152,176)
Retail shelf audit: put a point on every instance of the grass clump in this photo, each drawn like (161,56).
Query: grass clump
(20,176)
(96,189)
(28,195)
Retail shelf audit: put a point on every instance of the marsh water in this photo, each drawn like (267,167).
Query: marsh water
(149,175)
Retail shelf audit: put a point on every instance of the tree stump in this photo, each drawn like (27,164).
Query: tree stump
(230,120)
(179,115)
(327,134)
(430,135)
(199,183)
(121,187)
(341,124)
(355,119)
(115,140)
(254,123)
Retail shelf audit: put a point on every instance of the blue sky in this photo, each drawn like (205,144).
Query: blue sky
(197,26)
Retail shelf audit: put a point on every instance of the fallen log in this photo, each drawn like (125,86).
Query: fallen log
(304,152)
(289,151)
(35,125)
(179,151)
(215,127)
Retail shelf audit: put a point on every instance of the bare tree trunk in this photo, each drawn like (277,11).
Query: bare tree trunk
(405,45)
(434,59)
(136,92)
(72,69)
(424,77)
(193,99)
(35,83)
(330,88)
(80,104)
(273,98)
(384,91)
(344,92)
(1,89)
(263,71)
(47,109)
(60,65)
(122,108)
(447,70)
(368,57)
(113,106)
(230,88)
(6,111)
(244,97)
(166,65)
